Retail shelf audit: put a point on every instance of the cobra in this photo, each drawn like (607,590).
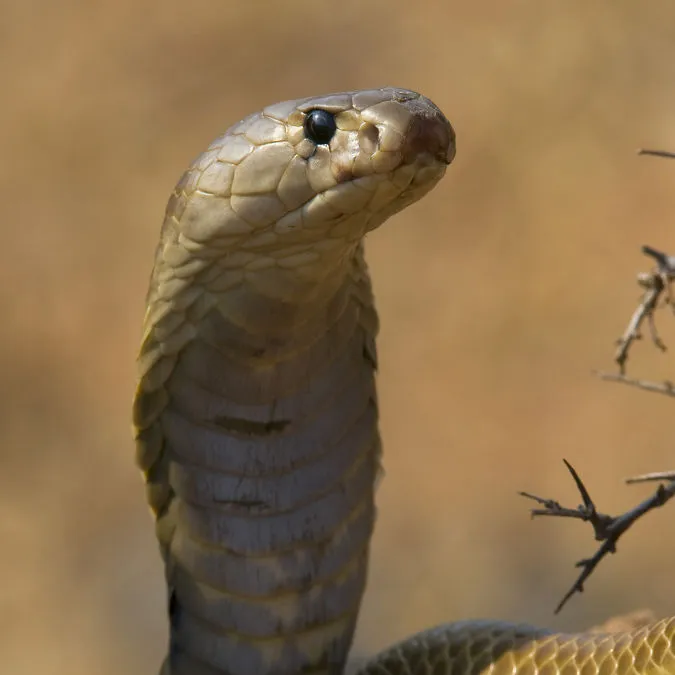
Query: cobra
(255,414)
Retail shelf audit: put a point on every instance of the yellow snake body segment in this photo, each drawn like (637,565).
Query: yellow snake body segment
(255,414)
(500,648)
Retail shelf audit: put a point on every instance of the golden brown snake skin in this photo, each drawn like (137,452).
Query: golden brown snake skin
(255,415)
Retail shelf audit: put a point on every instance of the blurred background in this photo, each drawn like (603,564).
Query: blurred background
(499,294)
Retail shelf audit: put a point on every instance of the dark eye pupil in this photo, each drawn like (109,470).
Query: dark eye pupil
(319,126)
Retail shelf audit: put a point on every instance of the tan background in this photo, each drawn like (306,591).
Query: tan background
(498,294)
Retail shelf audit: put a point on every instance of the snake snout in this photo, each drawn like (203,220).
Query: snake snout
(430,133)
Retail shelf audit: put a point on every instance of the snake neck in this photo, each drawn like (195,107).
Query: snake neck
(263,487)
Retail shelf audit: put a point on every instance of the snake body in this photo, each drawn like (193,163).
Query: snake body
(255,415)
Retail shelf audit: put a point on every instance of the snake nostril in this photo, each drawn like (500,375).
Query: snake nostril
(369,138)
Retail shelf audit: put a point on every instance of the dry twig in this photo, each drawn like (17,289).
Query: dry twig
(657,153)
(607,529)
(655,283)
(647,477)
(645,310)
(666,387)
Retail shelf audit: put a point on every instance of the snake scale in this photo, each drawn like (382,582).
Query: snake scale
(255,415)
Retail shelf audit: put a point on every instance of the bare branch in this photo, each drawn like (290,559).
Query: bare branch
(607,529)
(657,153)
(648,303)
(655,475)
(655,284)
(665,269)
(666,263)
(666,387)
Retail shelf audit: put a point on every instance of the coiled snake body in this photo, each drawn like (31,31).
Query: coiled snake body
(255,415)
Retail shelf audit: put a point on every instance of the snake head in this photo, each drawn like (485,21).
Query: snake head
(286,195)
(271,177)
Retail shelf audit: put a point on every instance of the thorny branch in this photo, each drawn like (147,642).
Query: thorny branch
(607,529)
(654,283)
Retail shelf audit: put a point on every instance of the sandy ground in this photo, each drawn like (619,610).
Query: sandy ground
(499,293)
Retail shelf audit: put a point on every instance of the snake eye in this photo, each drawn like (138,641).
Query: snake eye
(319,126)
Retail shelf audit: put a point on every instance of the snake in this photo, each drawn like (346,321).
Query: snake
(255,416)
